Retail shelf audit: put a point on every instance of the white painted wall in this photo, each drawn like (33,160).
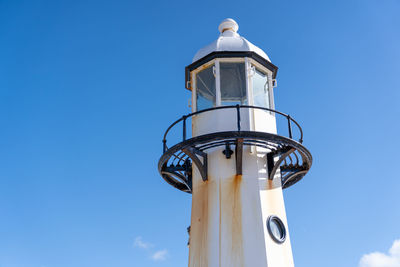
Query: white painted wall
(220,120)
(229,212)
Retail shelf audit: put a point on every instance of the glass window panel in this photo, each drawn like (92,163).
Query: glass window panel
(233,83)
(260,89)
(205,89)
(276,229)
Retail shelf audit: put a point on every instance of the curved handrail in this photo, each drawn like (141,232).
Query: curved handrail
(237,107)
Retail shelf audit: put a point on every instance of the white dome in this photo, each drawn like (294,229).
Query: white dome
(229,40)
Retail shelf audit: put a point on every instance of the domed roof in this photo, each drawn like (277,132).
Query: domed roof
(229,40)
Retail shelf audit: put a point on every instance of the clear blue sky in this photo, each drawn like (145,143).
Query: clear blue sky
(88,87)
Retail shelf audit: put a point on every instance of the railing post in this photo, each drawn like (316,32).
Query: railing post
(238,117)
(184,128)
(164,145)
(289,127)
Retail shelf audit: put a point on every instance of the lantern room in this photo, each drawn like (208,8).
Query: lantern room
(228,72)
(231,71)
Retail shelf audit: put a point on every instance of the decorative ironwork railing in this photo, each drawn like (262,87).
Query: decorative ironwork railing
(184,119)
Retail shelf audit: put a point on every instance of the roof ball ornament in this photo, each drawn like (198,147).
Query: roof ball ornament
(228,25)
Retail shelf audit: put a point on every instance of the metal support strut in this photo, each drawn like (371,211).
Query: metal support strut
(272,165)
(201,166)
(239,156)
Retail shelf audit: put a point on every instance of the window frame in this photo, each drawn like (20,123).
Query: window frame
(246,76)
(270,83)
(194,88)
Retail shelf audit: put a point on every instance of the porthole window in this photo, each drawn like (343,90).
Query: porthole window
(276,229)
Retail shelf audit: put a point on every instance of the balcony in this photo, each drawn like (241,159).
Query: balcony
(285,154)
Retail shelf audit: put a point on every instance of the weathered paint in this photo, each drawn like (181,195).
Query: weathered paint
(198,255)
(229,211)
(231,222)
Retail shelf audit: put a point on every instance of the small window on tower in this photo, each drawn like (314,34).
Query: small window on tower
(233,84)
(205,89)
(276,229)
(260,89)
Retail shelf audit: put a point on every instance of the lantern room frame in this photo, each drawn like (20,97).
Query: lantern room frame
(227,54)
(249,59)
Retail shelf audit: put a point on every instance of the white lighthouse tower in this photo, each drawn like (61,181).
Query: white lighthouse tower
(233,161)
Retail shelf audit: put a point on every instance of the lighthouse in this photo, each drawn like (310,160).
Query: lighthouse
(235,153)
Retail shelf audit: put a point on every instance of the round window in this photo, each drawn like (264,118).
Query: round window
(276,229)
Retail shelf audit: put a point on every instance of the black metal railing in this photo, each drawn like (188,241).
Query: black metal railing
(238,121)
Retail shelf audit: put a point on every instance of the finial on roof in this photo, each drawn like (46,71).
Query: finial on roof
(229,41)
(228,24)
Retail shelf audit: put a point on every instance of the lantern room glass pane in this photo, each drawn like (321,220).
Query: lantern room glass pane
(205,89)
(233,83)
(260,89)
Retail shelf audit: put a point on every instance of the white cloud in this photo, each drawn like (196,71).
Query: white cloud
(379,259)
(141,244)
(160,255)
